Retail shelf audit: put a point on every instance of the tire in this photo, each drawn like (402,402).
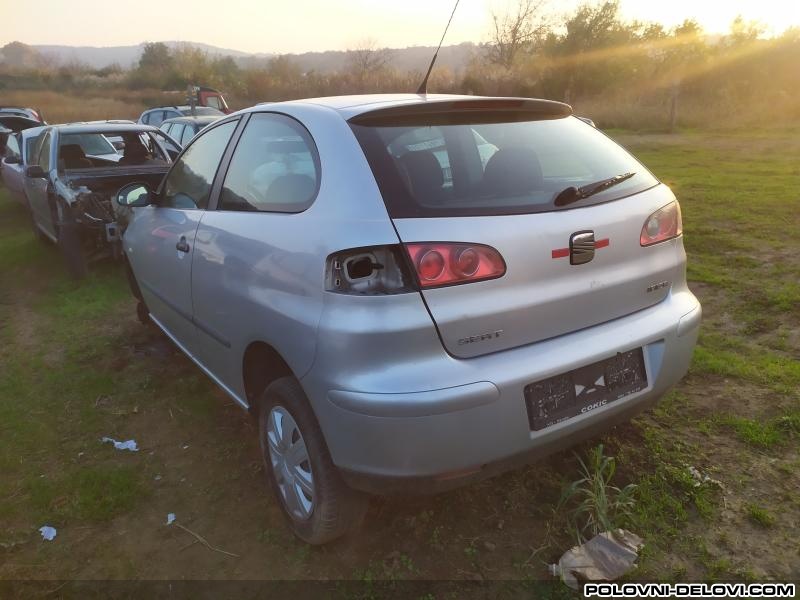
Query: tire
(34,227)
(142,313)
(69,242)
(335,509)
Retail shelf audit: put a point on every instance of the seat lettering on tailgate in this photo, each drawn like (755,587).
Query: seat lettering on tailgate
(480,338)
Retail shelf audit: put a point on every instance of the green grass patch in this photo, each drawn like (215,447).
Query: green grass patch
(760,516)
(765,434)
(90,493)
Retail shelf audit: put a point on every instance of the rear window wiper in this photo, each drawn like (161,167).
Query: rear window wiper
(573,194)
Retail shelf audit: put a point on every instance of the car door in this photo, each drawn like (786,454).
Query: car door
(160,240)
(12,167)
(253,275)
(38,188)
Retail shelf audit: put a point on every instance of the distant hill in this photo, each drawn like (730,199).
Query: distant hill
(406,59)
(124,56)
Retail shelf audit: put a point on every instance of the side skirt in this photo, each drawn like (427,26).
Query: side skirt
(203,368)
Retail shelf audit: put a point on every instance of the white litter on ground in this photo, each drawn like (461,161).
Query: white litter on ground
(606,557)
(700,478)
(129,445)
(170,518)
(48,533)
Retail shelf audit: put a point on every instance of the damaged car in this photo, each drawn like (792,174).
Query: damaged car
(19,147)
(74,175)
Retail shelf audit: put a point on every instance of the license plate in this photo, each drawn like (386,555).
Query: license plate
(585,389)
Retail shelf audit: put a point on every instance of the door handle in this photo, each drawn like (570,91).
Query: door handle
(182,245)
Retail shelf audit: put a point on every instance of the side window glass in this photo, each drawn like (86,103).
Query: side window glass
(156,117)
(44,153)
(188,184)
(176,131)
(172,148)
(188,134)
(12,147)
(165,127)
(32,146)
(275,167)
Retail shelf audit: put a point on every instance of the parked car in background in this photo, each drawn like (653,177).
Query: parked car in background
(71,181)
(183,129)
(156,116)
(10,125)
(20,111)
(207,96)
(19,148)
(397,329)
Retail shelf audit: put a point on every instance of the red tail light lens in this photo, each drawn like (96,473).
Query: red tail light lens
(445,263)
(662,225)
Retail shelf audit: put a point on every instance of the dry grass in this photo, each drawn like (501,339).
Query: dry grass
(62,108)
(621,113)
(652,115)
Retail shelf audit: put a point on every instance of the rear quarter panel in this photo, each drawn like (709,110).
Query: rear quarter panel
(259,276)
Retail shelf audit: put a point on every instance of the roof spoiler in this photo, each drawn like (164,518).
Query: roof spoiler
(465,110)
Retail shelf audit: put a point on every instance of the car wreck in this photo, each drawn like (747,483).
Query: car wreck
(73,174)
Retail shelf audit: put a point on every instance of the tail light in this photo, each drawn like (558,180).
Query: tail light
(446,263)
(372,271)
(662,225)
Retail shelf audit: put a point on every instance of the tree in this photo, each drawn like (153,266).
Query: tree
(155,56)
(688,48)
(366,61)
(516,32)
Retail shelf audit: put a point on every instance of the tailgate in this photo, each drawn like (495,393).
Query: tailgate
(539,296)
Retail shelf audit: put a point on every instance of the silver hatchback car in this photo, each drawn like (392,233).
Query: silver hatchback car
(413,292)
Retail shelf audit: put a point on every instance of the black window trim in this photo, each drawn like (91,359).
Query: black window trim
(214,187)
(49,134)
(213,203)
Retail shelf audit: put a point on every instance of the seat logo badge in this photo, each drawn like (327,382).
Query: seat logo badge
(581,247)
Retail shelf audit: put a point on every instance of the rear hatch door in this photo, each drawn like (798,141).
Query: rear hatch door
(500,173)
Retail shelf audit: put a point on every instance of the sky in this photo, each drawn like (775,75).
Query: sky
(284,26)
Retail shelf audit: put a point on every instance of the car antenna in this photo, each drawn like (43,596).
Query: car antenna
(423,87)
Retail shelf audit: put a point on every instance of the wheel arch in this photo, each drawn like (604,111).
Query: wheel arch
(261,365)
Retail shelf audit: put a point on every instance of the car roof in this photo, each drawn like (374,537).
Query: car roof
(103,127)
(170,106)
(352,106)
(193,119)
(17,110)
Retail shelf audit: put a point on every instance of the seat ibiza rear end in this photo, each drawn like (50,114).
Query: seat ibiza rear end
(473,284)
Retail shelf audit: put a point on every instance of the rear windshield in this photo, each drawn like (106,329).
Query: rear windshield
(488,167)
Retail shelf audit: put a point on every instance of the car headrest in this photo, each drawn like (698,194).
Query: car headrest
(73,157)
(512,170)
(423,171)
(291,189)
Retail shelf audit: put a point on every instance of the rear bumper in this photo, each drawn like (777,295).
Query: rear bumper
(471,420)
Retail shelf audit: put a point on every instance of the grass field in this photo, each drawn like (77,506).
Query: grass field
(75,365)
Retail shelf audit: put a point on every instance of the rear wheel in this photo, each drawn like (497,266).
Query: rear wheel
(316,501)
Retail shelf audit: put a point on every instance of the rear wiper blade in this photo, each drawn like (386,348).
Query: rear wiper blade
(573,194)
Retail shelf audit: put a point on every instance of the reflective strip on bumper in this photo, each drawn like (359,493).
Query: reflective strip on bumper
(417,404)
